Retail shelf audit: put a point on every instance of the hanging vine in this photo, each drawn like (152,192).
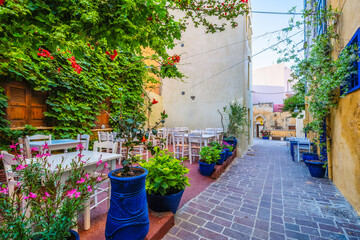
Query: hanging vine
(324,72)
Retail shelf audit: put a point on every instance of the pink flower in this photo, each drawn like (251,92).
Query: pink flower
(1,156)
(77,194)
(39,155)
(80,146)
(89,189)
(21,167)
(81,180)
(34,149)
(18,184)
(105,165)
(4,190)
(79,155)
(83,161)
(99,162)
(45,146)
(12,146)
(73,193)
(99,179)
(31,195)
(46,155)
(87,176)
(46,195)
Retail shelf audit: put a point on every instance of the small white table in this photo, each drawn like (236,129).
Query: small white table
(91,159)
(59,144)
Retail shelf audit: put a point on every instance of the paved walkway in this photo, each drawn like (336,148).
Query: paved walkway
(265,195)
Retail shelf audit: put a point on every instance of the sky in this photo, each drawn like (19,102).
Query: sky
(264,23)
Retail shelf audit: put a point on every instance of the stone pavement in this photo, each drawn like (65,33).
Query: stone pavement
(265,195)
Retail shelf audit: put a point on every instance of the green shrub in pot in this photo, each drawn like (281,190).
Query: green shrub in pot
(209,155)
(165,182)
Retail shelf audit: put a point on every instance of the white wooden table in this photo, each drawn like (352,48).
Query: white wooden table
(59,144)
(91,159)
(205,137)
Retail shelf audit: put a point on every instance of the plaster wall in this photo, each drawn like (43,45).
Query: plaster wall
(218,70)
(344,161)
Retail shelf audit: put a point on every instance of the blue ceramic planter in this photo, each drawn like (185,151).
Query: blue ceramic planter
(223,156)
(75,234)
(231,140)
(206,169)
(227,151)
(265,137)
(316,168)
(164,203)
(310,156)
(128,214)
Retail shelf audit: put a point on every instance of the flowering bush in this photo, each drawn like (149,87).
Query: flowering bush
(266,133)
(45,201)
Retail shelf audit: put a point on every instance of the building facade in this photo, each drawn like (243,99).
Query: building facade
(343,124)
(218,70)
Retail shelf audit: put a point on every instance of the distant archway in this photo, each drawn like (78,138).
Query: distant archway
(259,125)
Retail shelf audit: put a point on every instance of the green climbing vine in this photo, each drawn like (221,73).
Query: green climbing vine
(323,72)
(85,52)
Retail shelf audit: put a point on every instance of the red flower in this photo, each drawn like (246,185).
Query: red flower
(154,101)
(112,57)
(107,53)
(2,2)
(244,1)
(143,139)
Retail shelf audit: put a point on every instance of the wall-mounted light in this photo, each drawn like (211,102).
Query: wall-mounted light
(183,93)
(192,98)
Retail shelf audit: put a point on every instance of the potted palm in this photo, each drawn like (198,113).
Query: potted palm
(165,182)
(208,158)
(128,213)
(53,199)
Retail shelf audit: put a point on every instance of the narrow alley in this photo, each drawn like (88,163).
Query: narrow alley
(265,195)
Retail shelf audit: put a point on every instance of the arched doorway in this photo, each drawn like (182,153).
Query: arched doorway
(259,125)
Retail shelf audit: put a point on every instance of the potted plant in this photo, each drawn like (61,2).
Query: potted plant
(53,200)
(223,152)
(128,213)
(266,134)
(228,148)
(317,168)
(208,158)
(165,182)
(236,116)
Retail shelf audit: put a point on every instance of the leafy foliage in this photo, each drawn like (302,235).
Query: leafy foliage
(84,52)
(209,155)
(52,199)
(237,117)
(166,173)
(323,71)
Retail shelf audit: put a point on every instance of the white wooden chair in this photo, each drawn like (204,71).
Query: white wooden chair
(180,147)
(103,136)
(39,137)
(195,145)
(10,175)
(98,147)
(25,146)
(85,137)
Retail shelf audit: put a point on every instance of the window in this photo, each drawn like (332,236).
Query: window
(353,82)
(320,7)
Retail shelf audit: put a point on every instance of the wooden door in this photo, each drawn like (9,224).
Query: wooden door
(25,106)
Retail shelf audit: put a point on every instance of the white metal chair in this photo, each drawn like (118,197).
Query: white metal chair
(180,147)
(85,137)
(99,147)
(195,145)
(302,146)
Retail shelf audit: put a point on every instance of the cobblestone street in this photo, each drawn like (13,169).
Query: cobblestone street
(265,195)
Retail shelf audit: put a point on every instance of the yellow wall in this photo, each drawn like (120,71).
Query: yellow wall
(344,157)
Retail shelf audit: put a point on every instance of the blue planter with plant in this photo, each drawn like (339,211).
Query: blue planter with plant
(166,181)
(159,203)
(128,216)
(316,168)
(265,137)
(223,156)
(310,156)
(231,141)
(209,156)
